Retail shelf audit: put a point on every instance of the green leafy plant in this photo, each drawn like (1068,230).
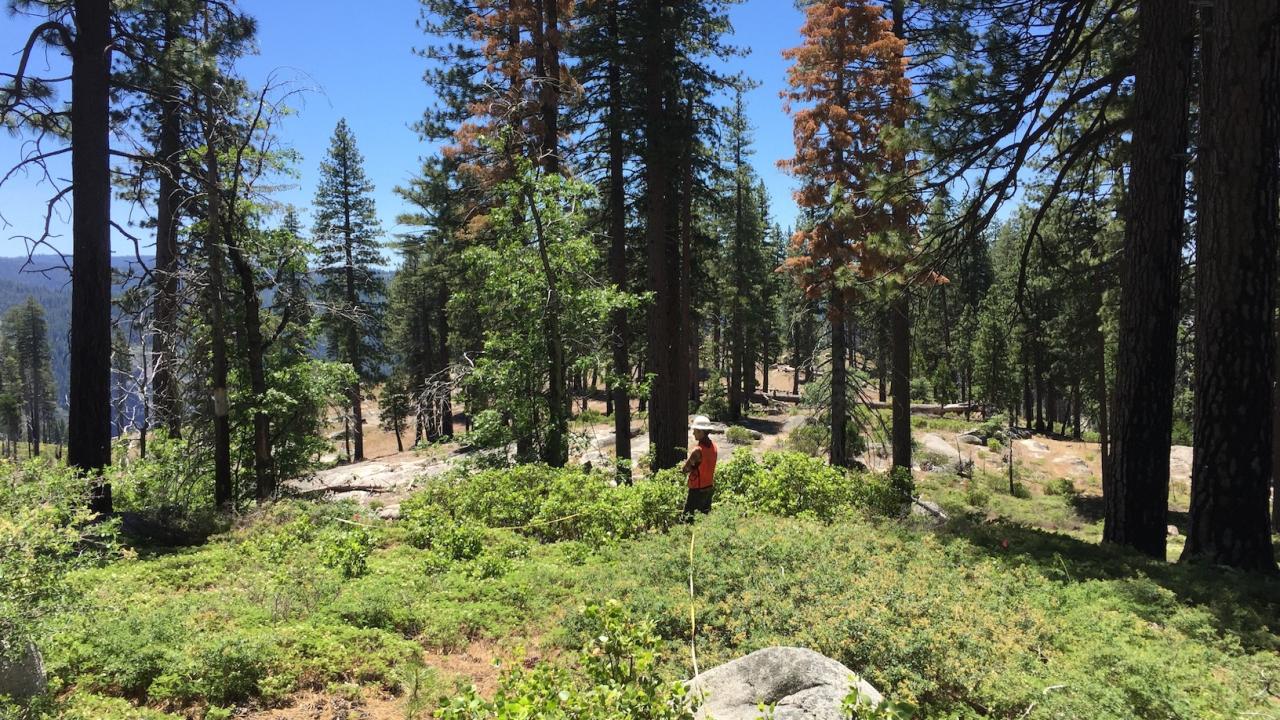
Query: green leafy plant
(619,678)
(1060,486)
(347,550)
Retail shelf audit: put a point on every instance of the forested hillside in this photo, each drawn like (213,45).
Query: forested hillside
(20,278)
(591,400)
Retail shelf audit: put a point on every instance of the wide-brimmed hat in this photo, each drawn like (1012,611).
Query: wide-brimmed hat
(702,422)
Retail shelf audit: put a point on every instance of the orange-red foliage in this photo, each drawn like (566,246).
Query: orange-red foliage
(514,37)
(848,83)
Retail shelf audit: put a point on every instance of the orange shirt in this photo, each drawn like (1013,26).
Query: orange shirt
(703,461)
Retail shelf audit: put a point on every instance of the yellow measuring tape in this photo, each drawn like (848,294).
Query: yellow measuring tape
(693,622)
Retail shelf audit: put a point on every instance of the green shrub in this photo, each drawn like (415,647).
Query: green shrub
(994,426)
(171,477)
(793,484)
(994,445)
(811,438)
(920,389)
(619,678)
(45,534)
(546,504)
(489,431)
(462,542)
(1060,486)
(889,494)
(977,496)
(715,399)
(738,435)
(590,416)
(346,550)
(785,483)
(814,437)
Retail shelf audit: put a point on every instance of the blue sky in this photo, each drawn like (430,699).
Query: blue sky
(359,58)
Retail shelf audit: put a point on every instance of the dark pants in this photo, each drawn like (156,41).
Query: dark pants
(698,501)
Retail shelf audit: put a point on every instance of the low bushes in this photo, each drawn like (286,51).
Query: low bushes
(620,678)
(794,484)
(973,620)
(545,503)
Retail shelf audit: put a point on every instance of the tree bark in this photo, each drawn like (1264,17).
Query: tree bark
(1136,484)
(689,370)
(165,297)
(1239,197)
(223,492)
(1275,436)
(900,341)
(839,450)
(255,350)
(668,412)
(900,311)
(442,362)
(89,422)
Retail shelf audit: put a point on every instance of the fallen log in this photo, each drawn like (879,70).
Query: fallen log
(927,408)
(345,488)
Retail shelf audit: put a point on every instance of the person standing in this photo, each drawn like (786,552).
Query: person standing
(700,469)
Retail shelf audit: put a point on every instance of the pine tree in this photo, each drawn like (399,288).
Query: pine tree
(1238,189)
(848,78)
(1136,479)
(345,235)
(27,338)
(419,324)
(83,31)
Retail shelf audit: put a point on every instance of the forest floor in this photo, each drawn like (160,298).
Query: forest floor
(1007,608)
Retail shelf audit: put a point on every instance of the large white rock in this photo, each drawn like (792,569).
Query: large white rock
(800,684)
(935,443)
(1180,458)
(1033,446)
(21,672)
(1072,465)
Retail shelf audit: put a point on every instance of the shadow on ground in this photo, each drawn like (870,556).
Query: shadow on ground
(1092,508)
(1243,604)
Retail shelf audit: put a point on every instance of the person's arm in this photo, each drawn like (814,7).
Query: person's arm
(695,459)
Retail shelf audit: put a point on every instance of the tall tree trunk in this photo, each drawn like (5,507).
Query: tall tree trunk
(37,384)
(882,359)
(255,360)
(352,298)
(223,491)
(668,411)
(764,366)
(900,309)
(900,332)
(442,363)
(549,87)
(89,422)
(555,451)
(1275,436)
(1076,399)
(1037,371)
(165,296)
(1100,396)
(795,359)
(839,450)
(1136,484)
(1028,400)
(1239,198)
(688,371)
